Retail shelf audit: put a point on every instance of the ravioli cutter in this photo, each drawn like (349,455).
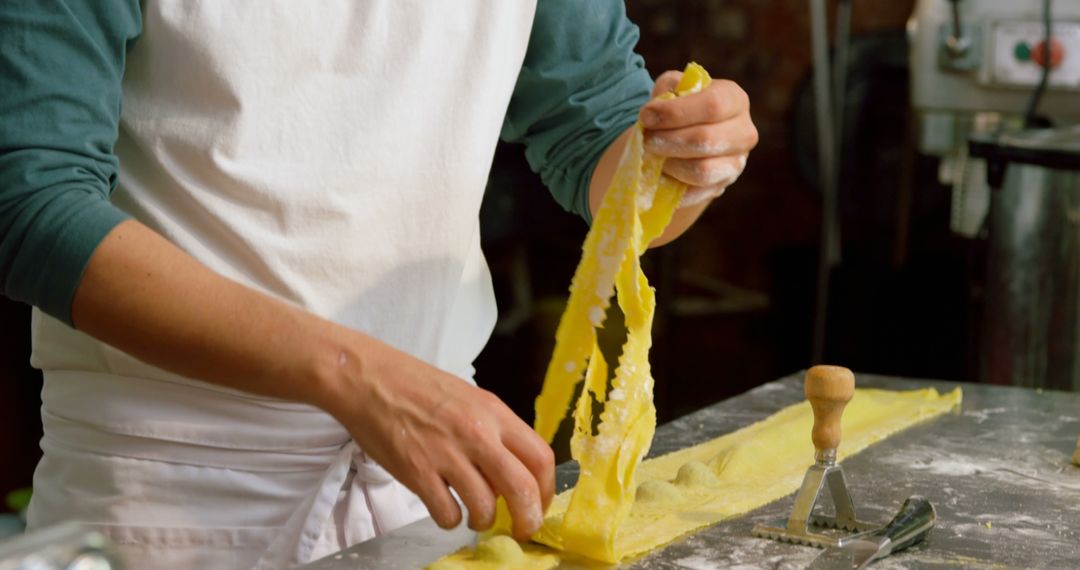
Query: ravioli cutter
(829,389)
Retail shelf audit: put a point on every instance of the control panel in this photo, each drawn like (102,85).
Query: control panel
(1019,53)
(986,56)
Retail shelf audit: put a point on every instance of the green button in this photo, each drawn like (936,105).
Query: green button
(1022,51)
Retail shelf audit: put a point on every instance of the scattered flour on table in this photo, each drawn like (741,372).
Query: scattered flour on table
(755,554)
(770,387)
(983,415)
(1044,470)
(700,562)
(697,563)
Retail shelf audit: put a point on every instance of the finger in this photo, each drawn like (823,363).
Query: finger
(435,495)
(516,484)
(695,195)
(536,455)
(704,172)
(736,136)
(666,83)
(720,101)
(475,492)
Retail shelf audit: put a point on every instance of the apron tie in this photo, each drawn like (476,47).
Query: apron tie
(355,501)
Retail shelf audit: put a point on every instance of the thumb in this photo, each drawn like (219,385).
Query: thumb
(666,83)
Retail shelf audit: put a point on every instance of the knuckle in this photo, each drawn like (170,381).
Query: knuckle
(475,437)
(491,398)
(442,508)
(732,92)
(662,114)
(523,487)
(481,513)
(547,455)
(715,104)
(448,410)
(743,97)
(728,86)
(667,80)
(676,169)
(707,172)
(701,139)
(755,137)
(703,171)
(415,461)
(445,520)
(697,169)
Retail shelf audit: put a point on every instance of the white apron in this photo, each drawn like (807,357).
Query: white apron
(332,154)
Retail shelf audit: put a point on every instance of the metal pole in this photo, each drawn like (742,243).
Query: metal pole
(829,254)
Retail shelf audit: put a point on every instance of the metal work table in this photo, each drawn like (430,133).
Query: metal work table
(998,472)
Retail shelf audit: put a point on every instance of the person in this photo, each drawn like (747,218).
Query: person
(249,230)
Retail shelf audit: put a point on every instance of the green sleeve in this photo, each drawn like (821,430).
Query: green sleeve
(61,65)
(580,87)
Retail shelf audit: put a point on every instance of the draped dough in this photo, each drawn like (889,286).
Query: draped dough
(636,208)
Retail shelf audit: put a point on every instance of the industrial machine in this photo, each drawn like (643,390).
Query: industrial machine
(976,66)
(996,89)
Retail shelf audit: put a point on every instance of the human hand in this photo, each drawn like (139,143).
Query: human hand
(705,137)
(433,431)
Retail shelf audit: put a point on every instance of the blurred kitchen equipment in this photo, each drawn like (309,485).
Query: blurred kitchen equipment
(977,67)
(1031,320)
(995,72)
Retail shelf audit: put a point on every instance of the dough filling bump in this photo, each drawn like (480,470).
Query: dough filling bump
(635,210)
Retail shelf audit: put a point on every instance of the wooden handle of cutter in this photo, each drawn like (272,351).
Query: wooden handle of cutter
(829,389)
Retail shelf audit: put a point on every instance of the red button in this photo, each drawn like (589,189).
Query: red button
(1057,54)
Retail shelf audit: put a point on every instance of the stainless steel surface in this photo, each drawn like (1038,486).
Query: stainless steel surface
(998,472)
(1031,331)
(412,546)
(846,558)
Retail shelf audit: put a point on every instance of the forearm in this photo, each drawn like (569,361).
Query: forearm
(146,297)
(143,295)
(601,179)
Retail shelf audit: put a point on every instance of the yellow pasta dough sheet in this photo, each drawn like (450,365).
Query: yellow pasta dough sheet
(736,473)
(733,474)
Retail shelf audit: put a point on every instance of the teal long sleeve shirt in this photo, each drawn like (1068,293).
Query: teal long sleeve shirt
(61,69)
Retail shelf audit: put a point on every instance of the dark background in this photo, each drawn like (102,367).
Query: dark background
(735,294)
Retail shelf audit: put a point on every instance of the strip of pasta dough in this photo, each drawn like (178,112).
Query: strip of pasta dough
(636,208)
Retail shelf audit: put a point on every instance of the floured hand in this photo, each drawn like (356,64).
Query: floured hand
(706,137)
(434,432)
